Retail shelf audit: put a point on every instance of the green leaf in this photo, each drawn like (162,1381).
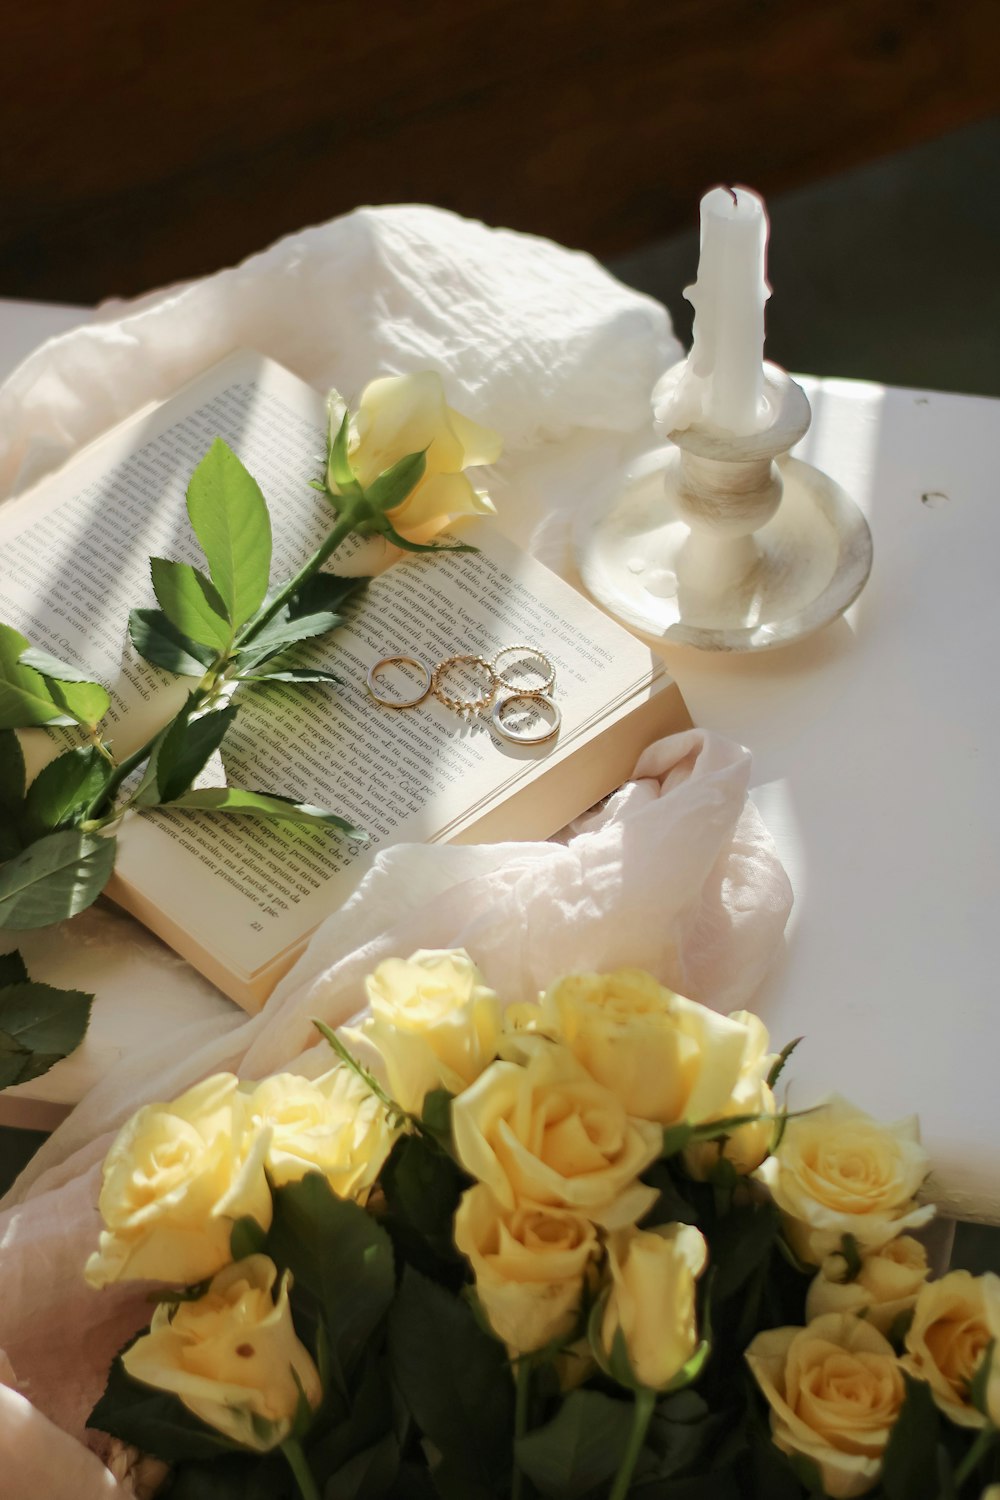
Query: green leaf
(71,689)
(191,602)
(234,799)
(580,1448)
(291,674)
(12,777)
(186,748)
(40,1025)
(909,1470)
(981,1379)
(25,696)
(55,878)
(231,522)
(51,666)
(284,631)
(324,593)
(394,484)
(165,646)
(436,1114)
(454,1379)
(367,1475)
(743,1241)
(247,1238)
(13,969)
(340,475)
(777,1066)
(422,1187)
(65,787)
(85,702)
(341,1261)
(852,1255)
(675,1138)
(154,1421)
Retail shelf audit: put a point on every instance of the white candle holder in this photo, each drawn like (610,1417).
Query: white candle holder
(724,542)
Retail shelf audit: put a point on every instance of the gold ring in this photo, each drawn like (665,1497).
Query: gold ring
(521,737)
(550,667)
(403,661)
(464,705)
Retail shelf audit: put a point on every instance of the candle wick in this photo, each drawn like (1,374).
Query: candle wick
(732,193)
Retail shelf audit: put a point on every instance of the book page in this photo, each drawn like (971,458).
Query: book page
(246,888)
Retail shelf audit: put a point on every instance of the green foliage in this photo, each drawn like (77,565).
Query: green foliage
(62,789)
(39,1024)
(59,876)
(275,809)
(186,748)
(230,520)
(26,697)
(909,1470)
(160,642)
(455,1380)
(155,1421)
(191,603)
(580,1448)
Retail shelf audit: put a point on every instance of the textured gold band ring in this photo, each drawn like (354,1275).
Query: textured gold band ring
(400,661)
(550,668)
(464,705)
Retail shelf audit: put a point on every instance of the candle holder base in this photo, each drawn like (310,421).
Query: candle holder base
(788,578)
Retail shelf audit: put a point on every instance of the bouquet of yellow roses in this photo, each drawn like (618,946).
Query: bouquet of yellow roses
(570,1249)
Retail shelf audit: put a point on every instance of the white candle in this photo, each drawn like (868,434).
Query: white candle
(723,380)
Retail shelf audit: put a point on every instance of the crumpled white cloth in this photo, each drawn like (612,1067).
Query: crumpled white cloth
(675,874)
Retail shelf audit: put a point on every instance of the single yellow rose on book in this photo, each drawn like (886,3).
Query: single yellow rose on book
(232,1356)
(403,414)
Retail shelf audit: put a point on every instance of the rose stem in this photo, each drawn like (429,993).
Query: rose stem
(521,1397)
(297,1463)
(642,1411)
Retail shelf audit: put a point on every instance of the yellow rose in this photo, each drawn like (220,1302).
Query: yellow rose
(837,1171)
(403,414)
(748,1144)
(887,1284)
(545,1131)
(947,1340)
(529,1264)
(175,1179)
(434,1023)
(835,1390)
(232,1357)
(668,1059)
(333,1125)
(651,1299)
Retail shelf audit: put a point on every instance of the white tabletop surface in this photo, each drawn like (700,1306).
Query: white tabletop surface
(872,766)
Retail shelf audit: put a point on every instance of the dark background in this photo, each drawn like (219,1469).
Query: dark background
(145,143)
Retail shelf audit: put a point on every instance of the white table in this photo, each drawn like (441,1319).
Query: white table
(872,767)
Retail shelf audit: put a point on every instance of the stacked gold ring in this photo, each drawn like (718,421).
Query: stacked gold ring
(465,705)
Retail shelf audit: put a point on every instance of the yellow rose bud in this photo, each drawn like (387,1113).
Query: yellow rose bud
(667,1058)
(232,1357)
(652,1299)
(747,1145)
(403,414)
(835,1390)
(547,1132)
(837,1171)
(947,1340)
(434,1023)
(887,1284)
(529,1263)
(333,1125)
(175,1179)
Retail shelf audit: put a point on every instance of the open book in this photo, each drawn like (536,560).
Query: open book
(237,897)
